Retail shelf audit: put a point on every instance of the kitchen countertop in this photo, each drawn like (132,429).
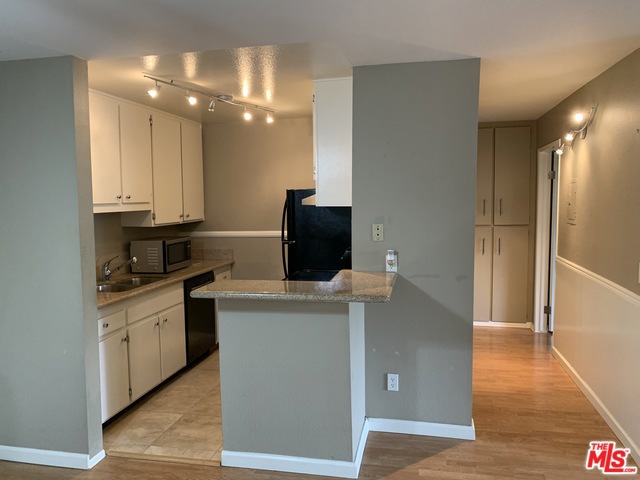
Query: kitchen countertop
(346,287)
(198,267)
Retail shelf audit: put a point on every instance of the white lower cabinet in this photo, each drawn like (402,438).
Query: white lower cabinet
(144,357)
(114,374)
(142,343)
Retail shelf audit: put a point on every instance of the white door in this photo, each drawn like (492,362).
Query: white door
(192,172)
(105,149)
(114,374)
(510,266)
(135,151)
(144,356)
(482,274)
(167,170)
(172,341)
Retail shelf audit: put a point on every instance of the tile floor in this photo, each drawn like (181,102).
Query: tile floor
(181,420)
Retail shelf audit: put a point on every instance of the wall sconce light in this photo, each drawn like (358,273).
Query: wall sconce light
(212,96)
(582,123)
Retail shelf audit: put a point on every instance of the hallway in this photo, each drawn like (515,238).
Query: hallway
(531,421)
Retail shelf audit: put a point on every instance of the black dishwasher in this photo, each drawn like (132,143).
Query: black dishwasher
(200,319)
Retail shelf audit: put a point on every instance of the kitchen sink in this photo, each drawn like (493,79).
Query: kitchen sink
(126,284)
(113,287)
(138,281)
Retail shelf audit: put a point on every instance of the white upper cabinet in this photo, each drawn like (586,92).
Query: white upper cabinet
(120,155)
(332,140)
(178,184)
(192,171)
(167,170)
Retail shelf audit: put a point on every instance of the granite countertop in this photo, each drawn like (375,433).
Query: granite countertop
(196,268)
(346,287)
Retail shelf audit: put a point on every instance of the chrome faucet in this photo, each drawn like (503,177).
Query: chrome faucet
(106,271)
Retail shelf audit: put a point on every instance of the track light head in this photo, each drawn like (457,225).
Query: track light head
(269,118)
(212,105)
(153,93)
(191,99)
(247,115)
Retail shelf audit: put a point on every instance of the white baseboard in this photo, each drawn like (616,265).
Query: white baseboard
(528,325)
(50,458)
(599,406)
(410,427)
(343,469)
(304,465)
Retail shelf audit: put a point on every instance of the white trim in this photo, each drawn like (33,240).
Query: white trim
(237,234)
(598,405)
(50,458)
(543,231)
(626,294)
(478,323)
(287,463)
(410,427)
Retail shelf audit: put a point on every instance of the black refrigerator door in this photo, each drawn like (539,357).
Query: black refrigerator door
(317,237)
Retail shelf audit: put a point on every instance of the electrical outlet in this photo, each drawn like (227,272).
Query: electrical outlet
(392,382)
(377,232)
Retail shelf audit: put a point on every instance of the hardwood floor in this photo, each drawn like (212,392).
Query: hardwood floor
(531,422)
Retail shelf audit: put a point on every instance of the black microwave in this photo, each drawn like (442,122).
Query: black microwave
(161,254)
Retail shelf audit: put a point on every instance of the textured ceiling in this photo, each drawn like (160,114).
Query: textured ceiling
(534,53)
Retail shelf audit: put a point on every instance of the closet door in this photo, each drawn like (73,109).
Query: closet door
(510,250)
(512,163)
(482,275)
(484,178)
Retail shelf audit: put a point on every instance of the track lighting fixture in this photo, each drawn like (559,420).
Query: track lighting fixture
(212,96)
(153,93)
(583,123)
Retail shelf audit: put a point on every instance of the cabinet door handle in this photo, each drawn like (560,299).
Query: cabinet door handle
(483,246)
(499,246)
(118,197)
(158,323)
(188,215)
(500,207)
(125,339)
(181,215)
(105,325)
(165,320)
(484,208)
(128,197)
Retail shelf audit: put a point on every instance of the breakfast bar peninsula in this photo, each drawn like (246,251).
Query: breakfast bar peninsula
(292,371)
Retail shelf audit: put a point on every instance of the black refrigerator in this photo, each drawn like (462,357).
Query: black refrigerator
(316,241)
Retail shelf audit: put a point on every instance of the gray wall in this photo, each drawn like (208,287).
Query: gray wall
(414,163)
(298,402)
(49,383)
(606,167)
(247,168)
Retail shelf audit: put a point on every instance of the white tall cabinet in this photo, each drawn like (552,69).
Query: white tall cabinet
(332,140)
(502,224)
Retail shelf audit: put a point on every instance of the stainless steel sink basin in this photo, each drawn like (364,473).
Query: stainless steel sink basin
(113,287)
(138,281)
(126,284)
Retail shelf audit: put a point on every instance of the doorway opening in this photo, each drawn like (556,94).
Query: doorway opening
(546,235)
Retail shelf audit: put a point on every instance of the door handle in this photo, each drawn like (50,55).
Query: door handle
(499,246)
(500,207)
(483,246)
(484,208)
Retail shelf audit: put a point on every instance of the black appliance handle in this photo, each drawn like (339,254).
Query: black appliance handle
(283,240)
